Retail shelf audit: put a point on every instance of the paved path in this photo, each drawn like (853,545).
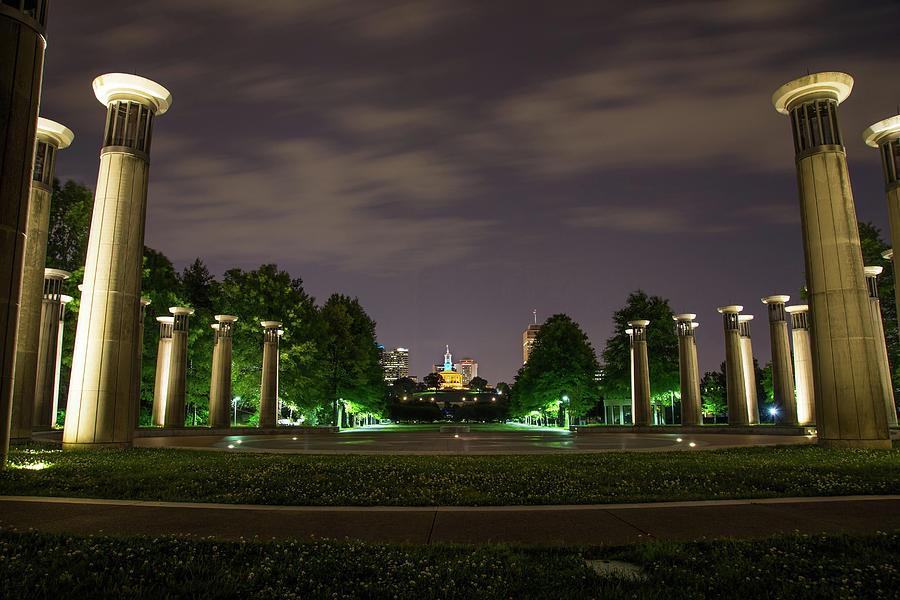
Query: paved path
(594,524)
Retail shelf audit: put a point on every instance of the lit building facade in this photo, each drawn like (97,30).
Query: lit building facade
(451,379)
(468,368)
(395,364)
(529,336)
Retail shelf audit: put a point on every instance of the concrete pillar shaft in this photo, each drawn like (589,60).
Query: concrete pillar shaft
(22,46)
(268,392)
(688,370)
(163,362)
(176,391)
(887,385)
(100,410)
(803,371)
(750,391)
(59,352)
(642,413)
(139,361)
(782,371)
(849,397)
(736,390)
(220,382)
(52,307)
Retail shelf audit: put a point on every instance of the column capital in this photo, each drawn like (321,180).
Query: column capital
(166,320)
(181,310)
(145,301)
(271,324)
(638,323)
(629,331)
(123,86)
(226,318)
(797,308)
(54,133)
(56,274)
(730,309)
(882,131)
(776,299)
(63,299)
(873,271)
(744,318)
(888,254)
(833,85)
(688,317)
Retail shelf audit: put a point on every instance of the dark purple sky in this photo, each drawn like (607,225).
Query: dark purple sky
(455,163)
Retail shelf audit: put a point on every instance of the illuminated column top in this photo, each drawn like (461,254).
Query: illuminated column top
(872,274)
(224,325)
(799,316)
(730,315)
(886,135)
(132,102)
(812,101)
(684,324)
(123,86)
(888,254)
(638,329)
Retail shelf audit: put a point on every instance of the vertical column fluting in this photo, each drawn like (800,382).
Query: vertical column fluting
(100,409)
(688,370)
(45,402)
(64,300)
(22,45)
(51,137)
(782,371)
(220,382)
(268,389)
(849,397)
(885,135)
(804,386)
(736,390)
(176,390)
(641,414)
(750,391)
(163,364)
(139,361)
(887,386)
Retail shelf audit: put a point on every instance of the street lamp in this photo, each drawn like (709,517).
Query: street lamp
(773,412)
(234,403)
(566,401)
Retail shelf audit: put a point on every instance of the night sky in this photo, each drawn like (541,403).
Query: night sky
(456,164)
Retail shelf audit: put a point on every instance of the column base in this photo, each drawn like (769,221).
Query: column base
(19,440)
(866,443)
(95,445)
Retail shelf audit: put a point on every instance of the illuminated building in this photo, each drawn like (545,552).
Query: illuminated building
(395,364)
(528,338)
(468,368)
(450,378)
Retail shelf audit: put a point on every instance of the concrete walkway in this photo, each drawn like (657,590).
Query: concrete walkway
(588,524)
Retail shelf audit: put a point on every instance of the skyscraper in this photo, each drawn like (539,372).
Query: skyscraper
(395,364)
(528,337)
(468,368)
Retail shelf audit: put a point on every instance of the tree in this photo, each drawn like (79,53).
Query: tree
(713,392)
(402,387)
(432,381)
(70,221)
(478,384)
(562,364)
(349,356)
(662,350)
(200,290)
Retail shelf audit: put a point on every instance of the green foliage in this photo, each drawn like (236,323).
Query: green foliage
(70,220)
(562,363)
(713,393)
(662,349)
(404,386)
(478,384)
(432,381)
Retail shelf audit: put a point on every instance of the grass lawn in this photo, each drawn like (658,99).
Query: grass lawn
(34,565)
(197,476)
(486,427)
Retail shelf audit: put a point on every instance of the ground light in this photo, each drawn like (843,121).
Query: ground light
(692,444)
(678,439)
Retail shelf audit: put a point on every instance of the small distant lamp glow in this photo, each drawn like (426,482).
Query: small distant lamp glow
(231,445)
(456,435)
(494,399)
(773,412)
(240,441)
(404,397)
(692,444)
(565,398)
(678,439)
(293,438)
(464,398)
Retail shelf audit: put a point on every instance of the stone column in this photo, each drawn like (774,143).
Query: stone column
(100,408)
(220,382)
(641,413)
(884,367)
(734,366)
(782,371)
(803,369)
(51,137)
(885,135)
(177,387)
(630,333)
(749,369)
(43,415)
(163,363)
(63,300)
(849,397)
(139,361)
(268,389)
(22,45)
(688,370)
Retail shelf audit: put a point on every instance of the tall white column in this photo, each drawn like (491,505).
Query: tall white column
(100,409)
(63,300)
(890,408)
(220,382)
(734,366)
(782,372)
(139,361)
(642,414)
(750,392)
(688,370)
(849,397)
(630,333)
(22,45)
(268,392)
(176,391)
(163,364)
(51,137)
(803,369)
(44,409)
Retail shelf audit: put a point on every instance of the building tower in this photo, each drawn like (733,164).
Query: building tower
(22,44)
(99,410)
(885,135)
(529,336)
(395,364)
(468,368)
(51,137)
(849,397)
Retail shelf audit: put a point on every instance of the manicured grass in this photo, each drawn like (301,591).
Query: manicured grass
(34,565)
(243,477)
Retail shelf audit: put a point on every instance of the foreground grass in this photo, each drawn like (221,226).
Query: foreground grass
(197,476)
(34,565)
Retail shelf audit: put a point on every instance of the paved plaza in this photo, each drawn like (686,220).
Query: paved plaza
(484,440)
